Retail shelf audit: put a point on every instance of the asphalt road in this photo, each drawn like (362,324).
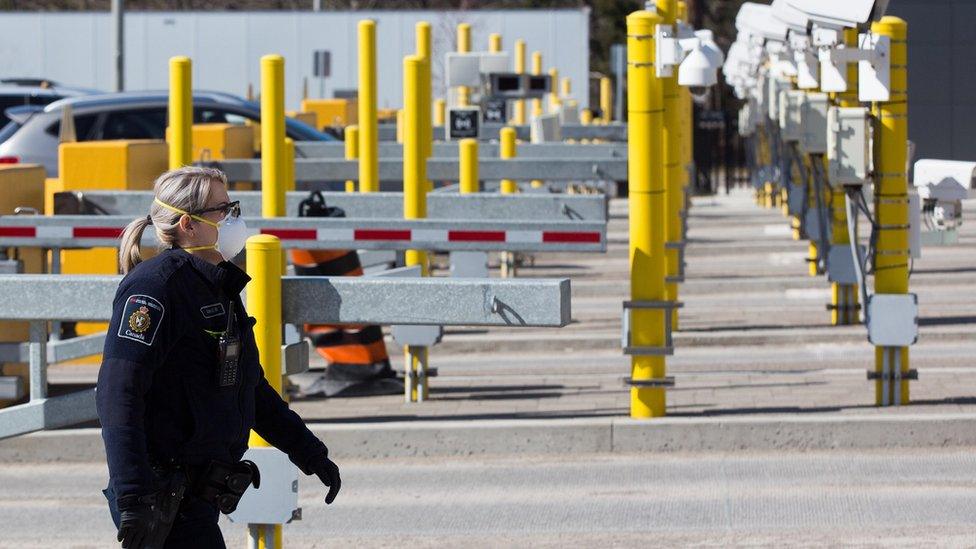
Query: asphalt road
(902,498)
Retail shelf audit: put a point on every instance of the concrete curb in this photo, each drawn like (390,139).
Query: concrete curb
(576,436)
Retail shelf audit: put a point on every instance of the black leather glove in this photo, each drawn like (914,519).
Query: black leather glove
(135,524)
(328,472)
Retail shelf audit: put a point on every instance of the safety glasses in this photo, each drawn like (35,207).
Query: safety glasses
(231,208)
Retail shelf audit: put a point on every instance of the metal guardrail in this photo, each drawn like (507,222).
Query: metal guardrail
(610,132)
(319,300)
(477,206)
(87,231)
(330,149)
(442,169)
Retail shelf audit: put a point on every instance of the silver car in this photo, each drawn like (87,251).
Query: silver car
(32,135)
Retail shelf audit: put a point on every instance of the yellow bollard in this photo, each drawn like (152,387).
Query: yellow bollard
(369,162)
(674,193)
(507,149)
(844,297)
(264,304)
(495,43)
(463,46)
(647,209)
(606,99)
(414,198)
(440,112)
(423,39)
(554,101)
(891,199)
(566,87)
(518,117)
(414,163)
(537,70)
(352,152)
(273,153)
(586,117)
(289,178)
(180,112)
(468,155)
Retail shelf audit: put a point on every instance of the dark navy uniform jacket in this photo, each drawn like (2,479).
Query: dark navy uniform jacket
(159,400)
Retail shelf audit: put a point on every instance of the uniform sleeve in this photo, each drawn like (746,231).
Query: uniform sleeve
(139,336)
(282,427)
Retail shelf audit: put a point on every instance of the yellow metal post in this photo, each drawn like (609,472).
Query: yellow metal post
(586,118)
(606,99)
(537,70)
(289,177)
(273,171)
(495,43)
(180,112)
(518,117)
(891,200)
(566,87)
(414,197)
(507,149)
(369,162)
(468,154)
(647,212)
(423,39)
(352,152)
(844,297)
(440,112)
(674,192)
(264,304)
(463,46)
(554,101)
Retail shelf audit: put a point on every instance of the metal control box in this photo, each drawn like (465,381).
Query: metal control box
(848,146)
(813,119)
(790,124)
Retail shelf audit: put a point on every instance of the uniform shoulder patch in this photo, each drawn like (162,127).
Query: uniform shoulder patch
(141,318)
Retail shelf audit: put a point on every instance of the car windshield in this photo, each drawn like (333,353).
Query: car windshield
(8,130)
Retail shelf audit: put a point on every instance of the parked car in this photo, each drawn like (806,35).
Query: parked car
(125,115)
(16,92)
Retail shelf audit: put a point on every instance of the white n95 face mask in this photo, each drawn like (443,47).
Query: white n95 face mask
(231,231)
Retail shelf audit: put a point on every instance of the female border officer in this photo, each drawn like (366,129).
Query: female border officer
(180,384)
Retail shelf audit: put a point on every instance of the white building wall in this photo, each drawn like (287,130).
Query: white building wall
(76,48)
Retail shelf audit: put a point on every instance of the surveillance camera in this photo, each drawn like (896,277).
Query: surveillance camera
(698,69)
(840,13)
(758,19)
(707,40)
(796,21)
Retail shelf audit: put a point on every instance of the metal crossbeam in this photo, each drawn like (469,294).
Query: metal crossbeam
(478,206)
(57,351)
(331,149)
(88,231)
(610,132)
(443,169)
(48,413)
(324,300)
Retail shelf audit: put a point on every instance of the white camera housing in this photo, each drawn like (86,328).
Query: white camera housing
(837,14)
(813,116)
(944,180)
(849,159)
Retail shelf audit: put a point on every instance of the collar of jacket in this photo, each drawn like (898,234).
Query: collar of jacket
(224,275)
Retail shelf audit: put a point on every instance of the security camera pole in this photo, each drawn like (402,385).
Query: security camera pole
(892,254)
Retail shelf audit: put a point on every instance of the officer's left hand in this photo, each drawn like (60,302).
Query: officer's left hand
(328,473)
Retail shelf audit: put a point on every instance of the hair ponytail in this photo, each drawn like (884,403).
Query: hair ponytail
(129,254)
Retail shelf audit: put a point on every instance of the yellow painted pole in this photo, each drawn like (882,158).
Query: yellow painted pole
(844,297)
(289,177)
(647,210)
(586,117)
(674,193)
(369,161)
(273,153)
(414,193)
(352,152)
(180,112)
(566,87)
(891,197)
(495,43)
(414,162)
(606,100)
(507,150)
(468,154)
(554,101)
(537,70)
(264,304)
(518,117)
(440,112)
(423,45)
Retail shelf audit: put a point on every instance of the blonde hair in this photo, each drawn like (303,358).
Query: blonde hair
(187,188)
